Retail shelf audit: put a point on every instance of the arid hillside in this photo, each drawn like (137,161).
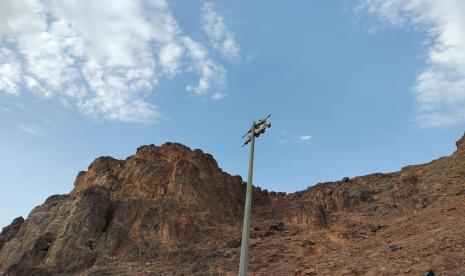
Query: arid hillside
(170,210)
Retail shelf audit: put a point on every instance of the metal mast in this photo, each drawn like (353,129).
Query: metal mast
(257,128)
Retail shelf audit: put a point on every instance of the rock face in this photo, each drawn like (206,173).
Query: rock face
(171,210)
(9,232)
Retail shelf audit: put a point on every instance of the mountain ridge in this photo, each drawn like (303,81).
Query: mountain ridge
(171,210)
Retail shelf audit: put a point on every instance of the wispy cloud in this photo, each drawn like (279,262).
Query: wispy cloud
(221,38)
(5,109)
(31,129)
(103,56)
(22,106)
(440,87)
(288,136)
(218,96)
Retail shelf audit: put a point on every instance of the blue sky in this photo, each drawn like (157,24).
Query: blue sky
(354,87)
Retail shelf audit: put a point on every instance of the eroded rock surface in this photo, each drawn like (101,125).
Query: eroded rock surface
(10,231)
(171,210)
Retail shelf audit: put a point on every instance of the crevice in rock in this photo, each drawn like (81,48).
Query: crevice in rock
(108,218)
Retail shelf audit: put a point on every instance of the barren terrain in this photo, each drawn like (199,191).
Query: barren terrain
(170,210)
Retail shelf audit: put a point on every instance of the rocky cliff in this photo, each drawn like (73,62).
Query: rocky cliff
(171,210)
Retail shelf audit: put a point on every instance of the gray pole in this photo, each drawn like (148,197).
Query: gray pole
(247,209)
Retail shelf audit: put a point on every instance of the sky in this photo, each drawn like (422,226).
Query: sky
(354,87)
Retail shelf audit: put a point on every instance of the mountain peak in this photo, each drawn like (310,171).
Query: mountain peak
(176,151)
(167,160)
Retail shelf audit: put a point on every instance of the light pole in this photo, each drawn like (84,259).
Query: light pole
(257,128)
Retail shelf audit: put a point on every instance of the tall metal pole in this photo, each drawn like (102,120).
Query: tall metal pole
(247,210)
(258,127)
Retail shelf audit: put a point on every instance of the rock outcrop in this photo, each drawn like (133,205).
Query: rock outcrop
(171,210)
(9,232)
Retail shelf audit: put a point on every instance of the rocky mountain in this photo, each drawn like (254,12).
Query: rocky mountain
(170,210)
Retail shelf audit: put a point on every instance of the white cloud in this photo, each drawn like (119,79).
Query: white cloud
(102,56)
(9,72)
(440,87)
(31,129)
(221,38)
(288,136)
(210,73)
(218,96)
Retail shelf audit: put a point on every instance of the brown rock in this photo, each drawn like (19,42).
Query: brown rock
(279,227)
(460,145)
(170,210)
(10,231)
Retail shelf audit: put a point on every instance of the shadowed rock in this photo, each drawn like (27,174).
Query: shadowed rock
(10,231)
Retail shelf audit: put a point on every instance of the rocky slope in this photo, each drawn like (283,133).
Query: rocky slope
(170,210)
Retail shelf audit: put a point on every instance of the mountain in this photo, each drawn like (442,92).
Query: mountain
(171,210)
